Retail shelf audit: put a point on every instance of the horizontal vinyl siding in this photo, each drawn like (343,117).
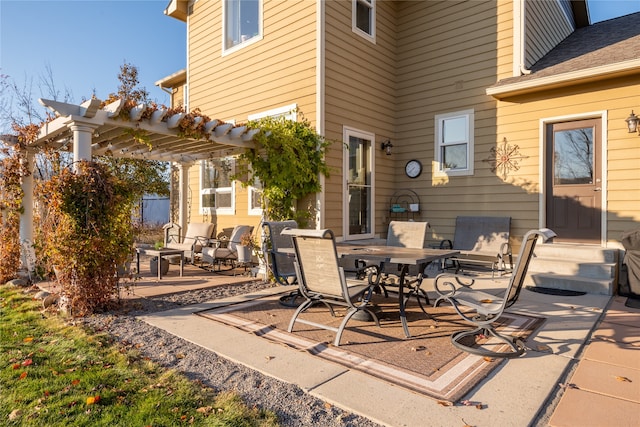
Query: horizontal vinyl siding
(359,93)
(546,26)
(519,120)
(447,56)
(276,71)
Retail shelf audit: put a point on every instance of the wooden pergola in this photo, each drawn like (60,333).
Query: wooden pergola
(144,131)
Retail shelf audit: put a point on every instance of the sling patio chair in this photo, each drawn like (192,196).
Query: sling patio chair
(284,272)
(225,251)
(402,234)
(196,237)
(483,242)
(481,308)
(321,280)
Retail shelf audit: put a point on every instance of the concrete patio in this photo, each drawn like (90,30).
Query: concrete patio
(587,346)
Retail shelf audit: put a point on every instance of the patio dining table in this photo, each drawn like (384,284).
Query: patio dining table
(403,257)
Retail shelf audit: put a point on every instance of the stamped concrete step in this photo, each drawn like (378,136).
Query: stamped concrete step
(570,267)
(589,253)
(572,283)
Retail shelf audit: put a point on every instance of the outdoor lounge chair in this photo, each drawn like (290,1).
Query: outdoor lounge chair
(284,272)
(321,280)
(196,237)
(483,242)
(225,251)
(482,309)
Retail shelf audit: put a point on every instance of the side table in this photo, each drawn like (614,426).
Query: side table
(160,253)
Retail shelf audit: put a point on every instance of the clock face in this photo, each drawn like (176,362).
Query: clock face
(413,168)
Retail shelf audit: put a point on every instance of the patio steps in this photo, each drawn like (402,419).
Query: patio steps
(590,269)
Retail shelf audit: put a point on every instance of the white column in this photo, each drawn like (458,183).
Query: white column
(82,134)
(26,217)
(183,205)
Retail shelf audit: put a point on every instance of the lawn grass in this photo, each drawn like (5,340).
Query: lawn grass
(53,373)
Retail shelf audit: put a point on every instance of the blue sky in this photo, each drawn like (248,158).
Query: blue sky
(85,42)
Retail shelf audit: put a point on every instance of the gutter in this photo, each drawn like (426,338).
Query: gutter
(572,78)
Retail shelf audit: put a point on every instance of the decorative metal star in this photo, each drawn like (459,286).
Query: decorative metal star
(505,158)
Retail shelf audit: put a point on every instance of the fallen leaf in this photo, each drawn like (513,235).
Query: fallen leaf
(327,405)
(488,359)
(269,358)
(28,339)
(204,409)
(27,362)
(23,375)
(91,400)
(15,414)
(623,379)
(444,403)
(567,385)
(16,366)
(75,382)
(418,348)
(486,301)
(543,347)
(479,406)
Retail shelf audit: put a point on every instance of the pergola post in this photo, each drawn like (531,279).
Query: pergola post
(82,134)
(183,207)
(26,217)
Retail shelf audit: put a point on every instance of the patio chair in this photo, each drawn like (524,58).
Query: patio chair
(321,280)
(225,251)
(403,234)
(482,309)
(196,237)
(284,272)
(483,242)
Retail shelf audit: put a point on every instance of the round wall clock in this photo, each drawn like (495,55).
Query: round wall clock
(413,168)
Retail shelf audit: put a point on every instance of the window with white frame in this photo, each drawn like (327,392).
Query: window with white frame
(364,18)
(255,198)
(454,143)
(217,189)
(242,23)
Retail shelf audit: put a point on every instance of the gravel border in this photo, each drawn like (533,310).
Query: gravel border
(293,406)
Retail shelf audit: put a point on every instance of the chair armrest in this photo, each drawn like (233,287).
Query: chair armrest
(446,244)
(220,243)
(505,252)
(446,285)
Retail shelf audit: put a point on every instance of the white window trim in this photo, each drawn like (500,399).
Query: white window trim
(354,27)
(288,111)
(439,118)
(346,133)
(252,211)
(213,210)
(252,40)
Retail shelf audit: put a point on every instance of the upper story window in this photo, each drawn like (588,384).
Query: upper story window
(454,143)
(364,18)
(217,193)
(242,23)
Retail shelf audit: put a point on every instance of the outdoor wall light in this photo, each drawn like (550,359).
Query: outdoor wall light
(386,147)
(632,122)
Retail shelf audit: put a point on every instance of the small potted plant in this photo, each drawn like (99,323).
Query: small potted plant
(245,248)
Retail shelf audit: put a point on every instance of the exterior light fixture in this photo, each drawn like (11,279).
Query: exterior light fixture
(386,147)
(632,122)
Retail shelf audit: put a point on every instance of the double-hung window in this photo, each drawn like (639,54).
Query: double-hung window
(454,143)
(217,193)
(364,18)
(242,23)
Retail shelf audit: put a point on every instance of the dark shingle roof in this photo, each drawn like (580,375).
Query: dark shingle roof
(605,43)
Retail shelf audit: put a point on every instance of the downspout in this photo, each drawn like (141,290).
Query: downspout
(523,36)
(320,105)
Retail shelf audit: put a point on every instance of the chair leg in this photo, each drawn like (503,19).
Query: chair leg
(516,345)
(348,316)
